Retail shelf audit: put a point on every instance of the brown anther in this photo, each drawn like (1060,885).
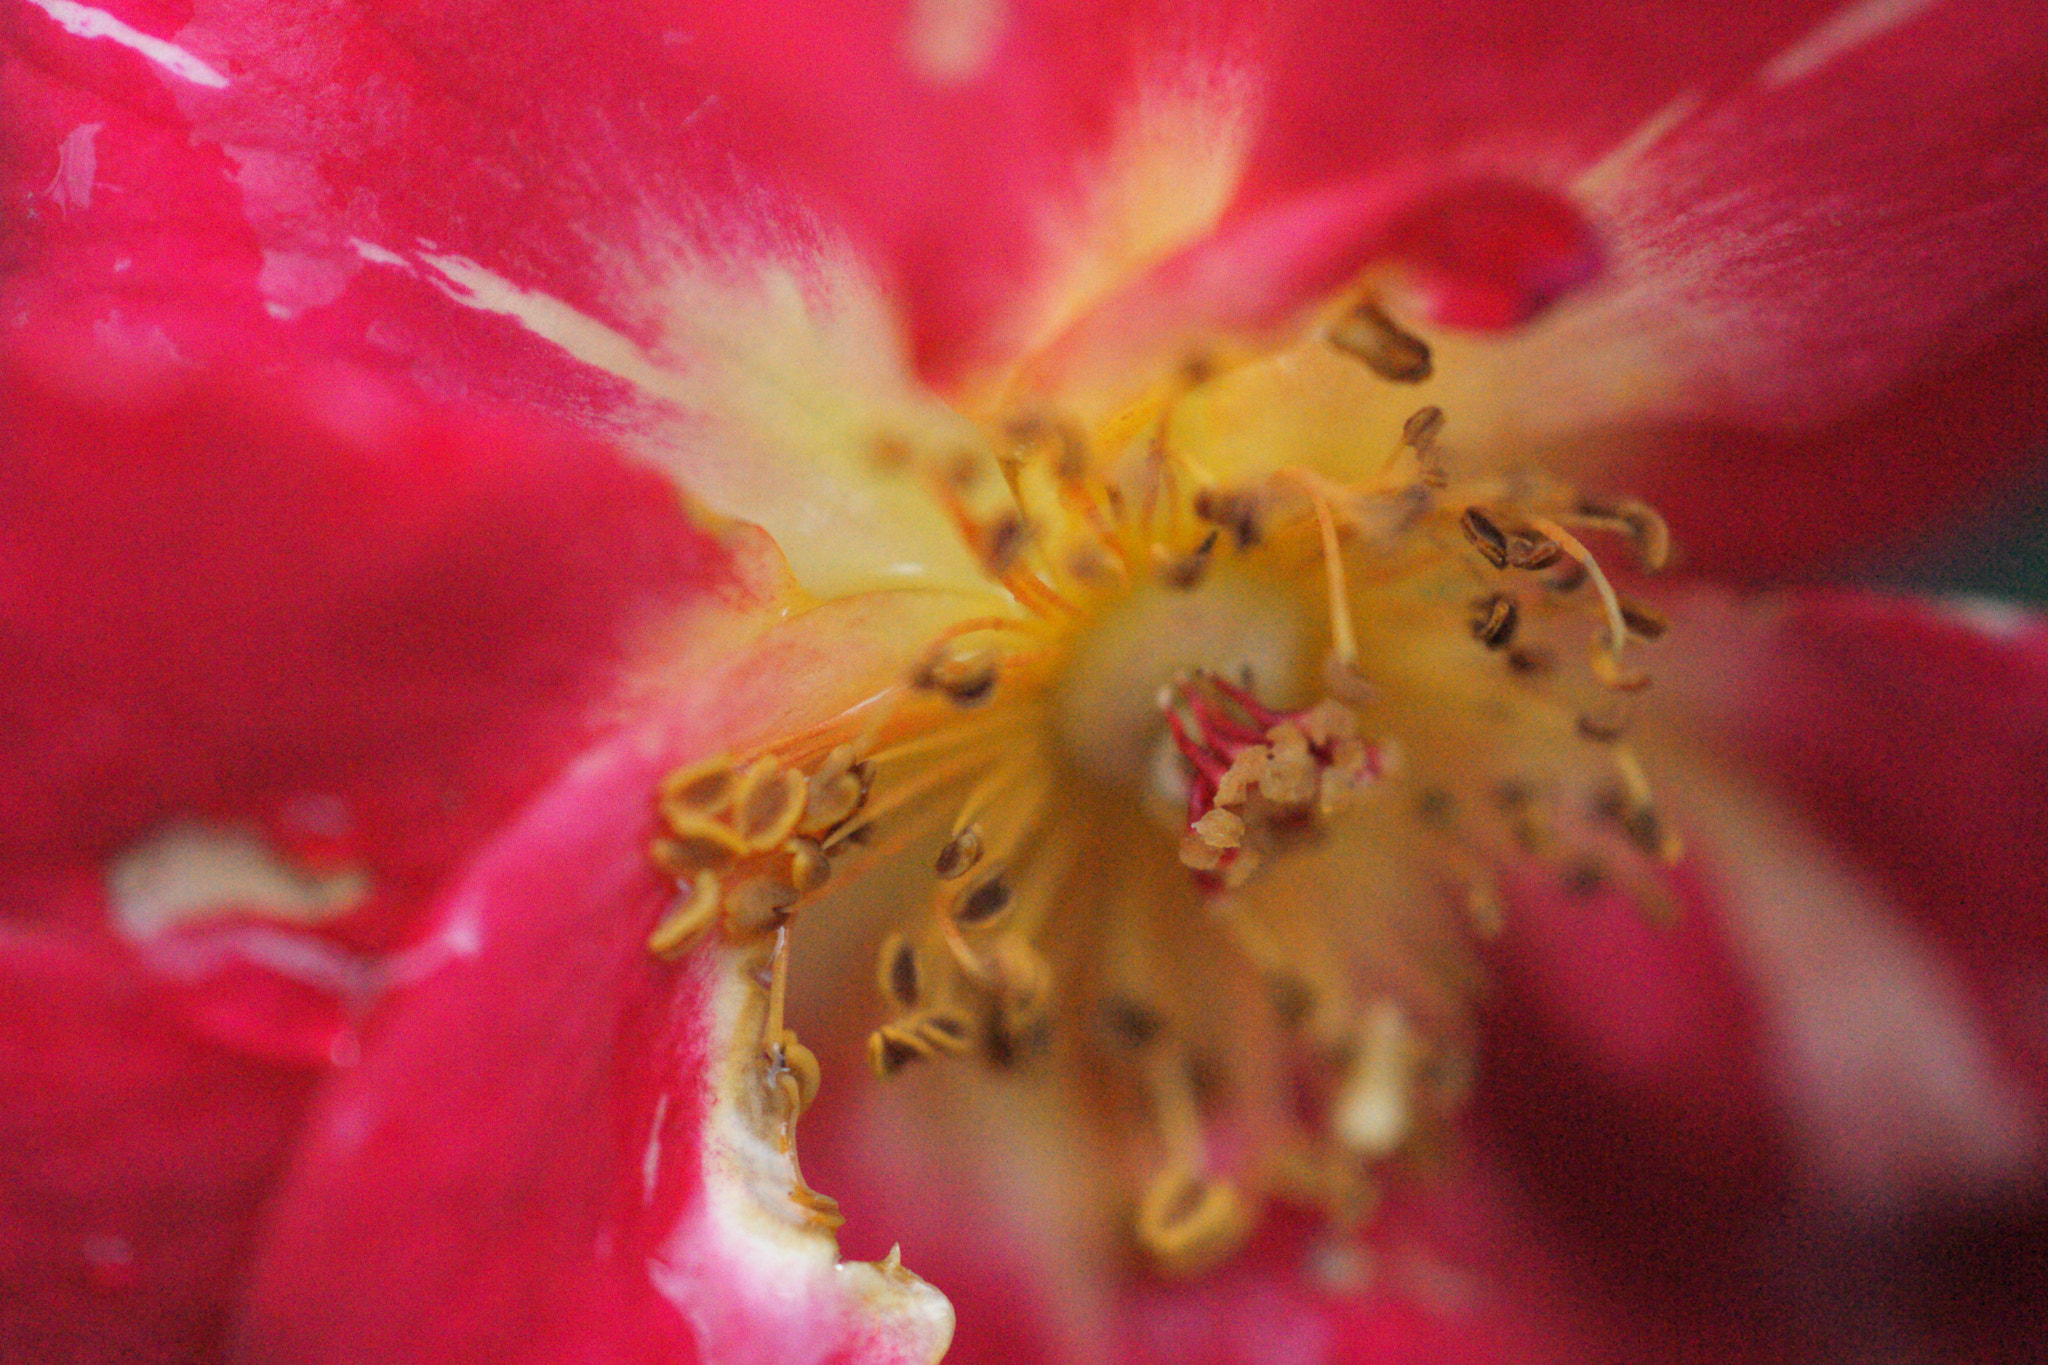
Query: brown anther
(1419,432)
(688,916)
(833,800)
(1528,550)
(891,1048)
(1644,621)
(1396,514)
(1487,538)
(984,905)
(898,972)
(1003,542)
(1437,808)
(945,1032)
(962,471)
(964,680)
(1605,724)
(1494,620)
(1236,512)
(1188,570)
(701,789)
(1189,1221)
(1644,830)
(1641,523)
(1291,997)
(1003,1046)
(1610,802)
(768,805)
(1513,794)
(1583,878)
(1130,1023)
(1368,335)
(1570,577)
(1531,661)
(694,845)
(960,854)
(809,868)
(1025,433)
(757,906)
(1089,563)
(1640,825)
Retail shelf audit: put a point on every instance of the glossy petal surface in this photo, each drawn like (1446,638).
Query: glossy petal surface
(281,648)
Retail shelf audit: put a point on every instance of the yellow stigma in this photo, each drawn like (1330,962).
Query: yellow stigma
(1207,798)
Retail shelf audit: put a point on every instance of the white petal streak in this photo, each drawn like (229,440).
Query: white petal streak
(1894,1085)
(745,1265)
(1843,31)
(187,872)
(771,386)
(547,317)
(87,22)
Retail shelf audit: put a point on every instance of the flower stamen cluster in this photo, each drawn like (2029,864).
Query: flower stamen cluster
(1193,789)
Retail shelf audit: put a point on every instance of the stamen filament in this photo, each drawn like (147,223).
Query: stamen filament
(778,989)
(1617,627)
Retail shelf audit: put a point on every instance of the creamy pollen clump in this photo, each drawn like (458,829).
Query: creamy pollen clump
(1208,813)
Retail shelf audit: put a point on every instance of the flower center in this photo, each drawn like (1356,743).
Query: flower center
(1208,799)
(1106,701)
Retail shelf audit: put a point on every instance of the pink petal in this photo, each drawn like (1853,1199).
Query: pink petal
(271,635)
(969,176)
(1909,742)
(541,1155)
(1791,304)
(133,1158)
(1783,304)
(1812,1110)
(307,601)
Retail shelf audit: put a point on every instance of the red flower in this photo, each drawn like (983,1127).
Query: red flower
(357,357)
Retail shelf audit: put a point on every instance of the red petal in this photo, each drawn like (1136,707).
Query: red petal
(1782,248)
(134,1156)
(1811,1112)
(298,620)
(305,601)
(1913,742)
(1796,351)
